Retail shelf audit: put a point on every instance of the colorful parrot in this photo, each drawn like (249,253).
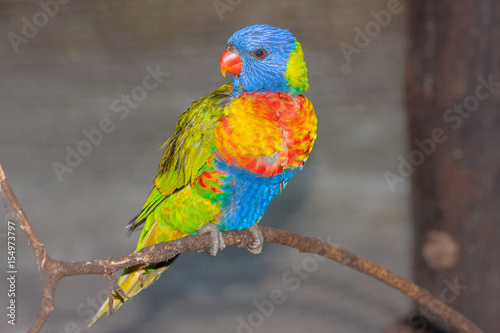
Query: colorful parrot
(231,153)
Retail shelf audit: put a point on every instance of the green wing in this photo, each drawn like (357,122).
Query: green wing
(187,151)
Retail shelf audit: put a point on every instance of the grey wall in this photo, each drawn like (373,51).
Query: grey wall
(63,77)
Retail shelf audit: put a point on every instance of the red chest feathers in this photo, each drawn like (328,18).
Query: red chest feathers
(266,132)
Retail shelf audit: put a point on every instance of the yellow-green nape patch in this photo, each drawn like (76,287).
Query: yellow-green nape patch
(296,71)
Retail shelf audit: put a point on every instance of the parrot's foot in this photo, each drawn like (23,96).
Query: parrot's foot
(258,239)
(217,238)
(115,291)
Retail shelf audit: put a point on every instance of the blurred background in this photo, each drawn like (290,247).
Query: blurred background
(67,66)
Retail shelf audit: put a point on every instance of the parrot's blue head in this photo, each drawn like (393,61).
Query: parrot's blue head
(265,58)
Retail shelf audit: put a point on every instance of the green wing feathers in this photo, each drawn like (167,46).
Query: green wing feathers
(185,159)
(188,150)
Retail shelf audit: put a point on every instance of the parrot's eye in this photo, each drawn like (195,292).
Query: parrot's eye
(259,53)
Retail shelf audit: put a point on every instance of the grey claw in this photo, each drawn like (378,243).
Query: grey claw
(258,239)
(217,238)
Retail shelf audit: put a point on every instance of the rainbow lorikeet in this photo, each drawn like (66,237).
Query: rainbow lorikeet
(231,153)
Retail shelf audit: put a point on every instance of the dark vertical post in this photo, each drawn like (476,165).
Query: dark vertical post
(453,103)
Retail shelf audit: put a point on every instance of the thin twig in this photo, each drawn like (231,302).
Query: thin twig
(33,238)
(47,305)
(56,269)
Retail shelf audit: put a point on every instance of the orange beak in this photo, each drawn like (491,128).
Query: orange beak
(230,62)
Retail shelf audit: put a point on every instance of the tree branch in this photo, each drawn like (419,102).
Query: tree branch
(56,269)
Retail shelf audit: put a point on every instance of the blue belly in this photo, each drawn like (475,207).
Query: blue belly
(250,194)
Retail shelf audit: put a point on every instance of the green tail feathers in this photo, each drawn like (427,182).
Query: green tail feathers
(132,282)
